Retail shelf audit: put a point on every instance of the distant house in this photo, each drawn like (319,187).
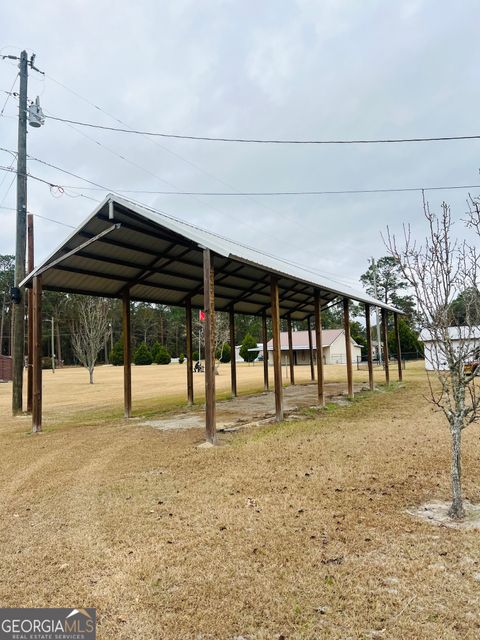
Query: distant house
(333,346)
(468,338)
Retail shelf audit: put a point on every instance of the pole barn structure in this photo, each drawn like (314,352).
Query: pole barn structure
(133,253)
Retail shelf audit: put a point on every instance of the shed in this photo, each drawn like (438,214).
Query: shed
(464,339)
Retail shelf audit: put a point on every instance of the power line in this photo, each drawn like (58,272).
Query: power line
(64,224)
(9,93)
(29,175)
(8,190)
(97,187)
(5,175)
(290,193)
(177,136)
(37,215)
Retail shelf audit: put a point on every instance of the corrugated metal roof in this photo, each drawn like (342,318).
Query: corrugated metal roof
(459,333)
(160,259)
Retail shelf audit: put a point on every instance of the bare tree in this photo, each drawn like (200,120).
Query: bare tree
(438,270)
(222,333)
(90,325)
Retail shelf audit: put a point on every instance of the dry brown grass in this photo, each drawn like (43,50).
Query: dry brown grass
(297,530)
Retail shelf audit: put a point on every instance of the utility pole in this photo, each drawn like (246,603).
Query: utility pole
(18,297)
(379,344)
(18,347)
(31,261)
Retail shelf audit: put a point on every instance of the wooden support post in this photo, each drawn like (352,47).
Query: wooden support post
(319,349)
(277,362)
(37,355)
(399,348)
(209,328)
(348,345)
(127,357)
(30,243)
(385,345)
(368,329)
(291,355)
(310,349)
(266,384)
(233,362)
(189,345)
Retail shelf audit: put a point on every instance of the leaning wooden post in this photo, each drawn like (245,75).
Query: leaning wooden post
(385,345)
(266,384)
(189,349)
(233,362)
(30,314)
(277,362)
(319,349)
(348,345)
(209,327)
(127,357)
(368,329)
(399,348)
(37,355)
(291,357)
(310,349)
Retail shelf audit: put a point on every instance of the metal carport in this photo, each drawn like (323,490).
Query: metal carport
(129,251)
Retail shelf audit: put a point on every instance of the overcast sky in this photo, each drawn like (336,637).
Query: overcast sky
(273,69)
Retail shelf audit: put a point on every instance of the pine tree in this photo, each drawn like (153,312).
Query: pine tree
(116,354)
(142,355)
(249,342)
(162,356)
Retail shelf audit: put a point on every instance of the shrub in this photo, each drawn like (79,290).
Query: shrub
(154,350)
(116,354)
(225,354)
(409,342)
(46,362)
(195,356)
(249,342)
(181,358)
(142,355)
(162,357)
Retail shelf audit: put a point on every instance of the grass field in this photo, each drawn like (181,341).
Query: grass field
(296,530)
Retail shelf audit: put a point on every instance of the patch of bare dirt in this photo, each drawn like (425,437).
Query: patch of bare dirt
(252,409)
(436,513)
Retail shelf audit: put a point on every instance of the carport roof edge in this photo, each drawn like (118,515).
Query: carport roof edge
(172,277)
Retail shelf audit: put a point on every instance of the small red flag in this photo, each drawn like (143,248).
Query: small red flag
(201,315)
